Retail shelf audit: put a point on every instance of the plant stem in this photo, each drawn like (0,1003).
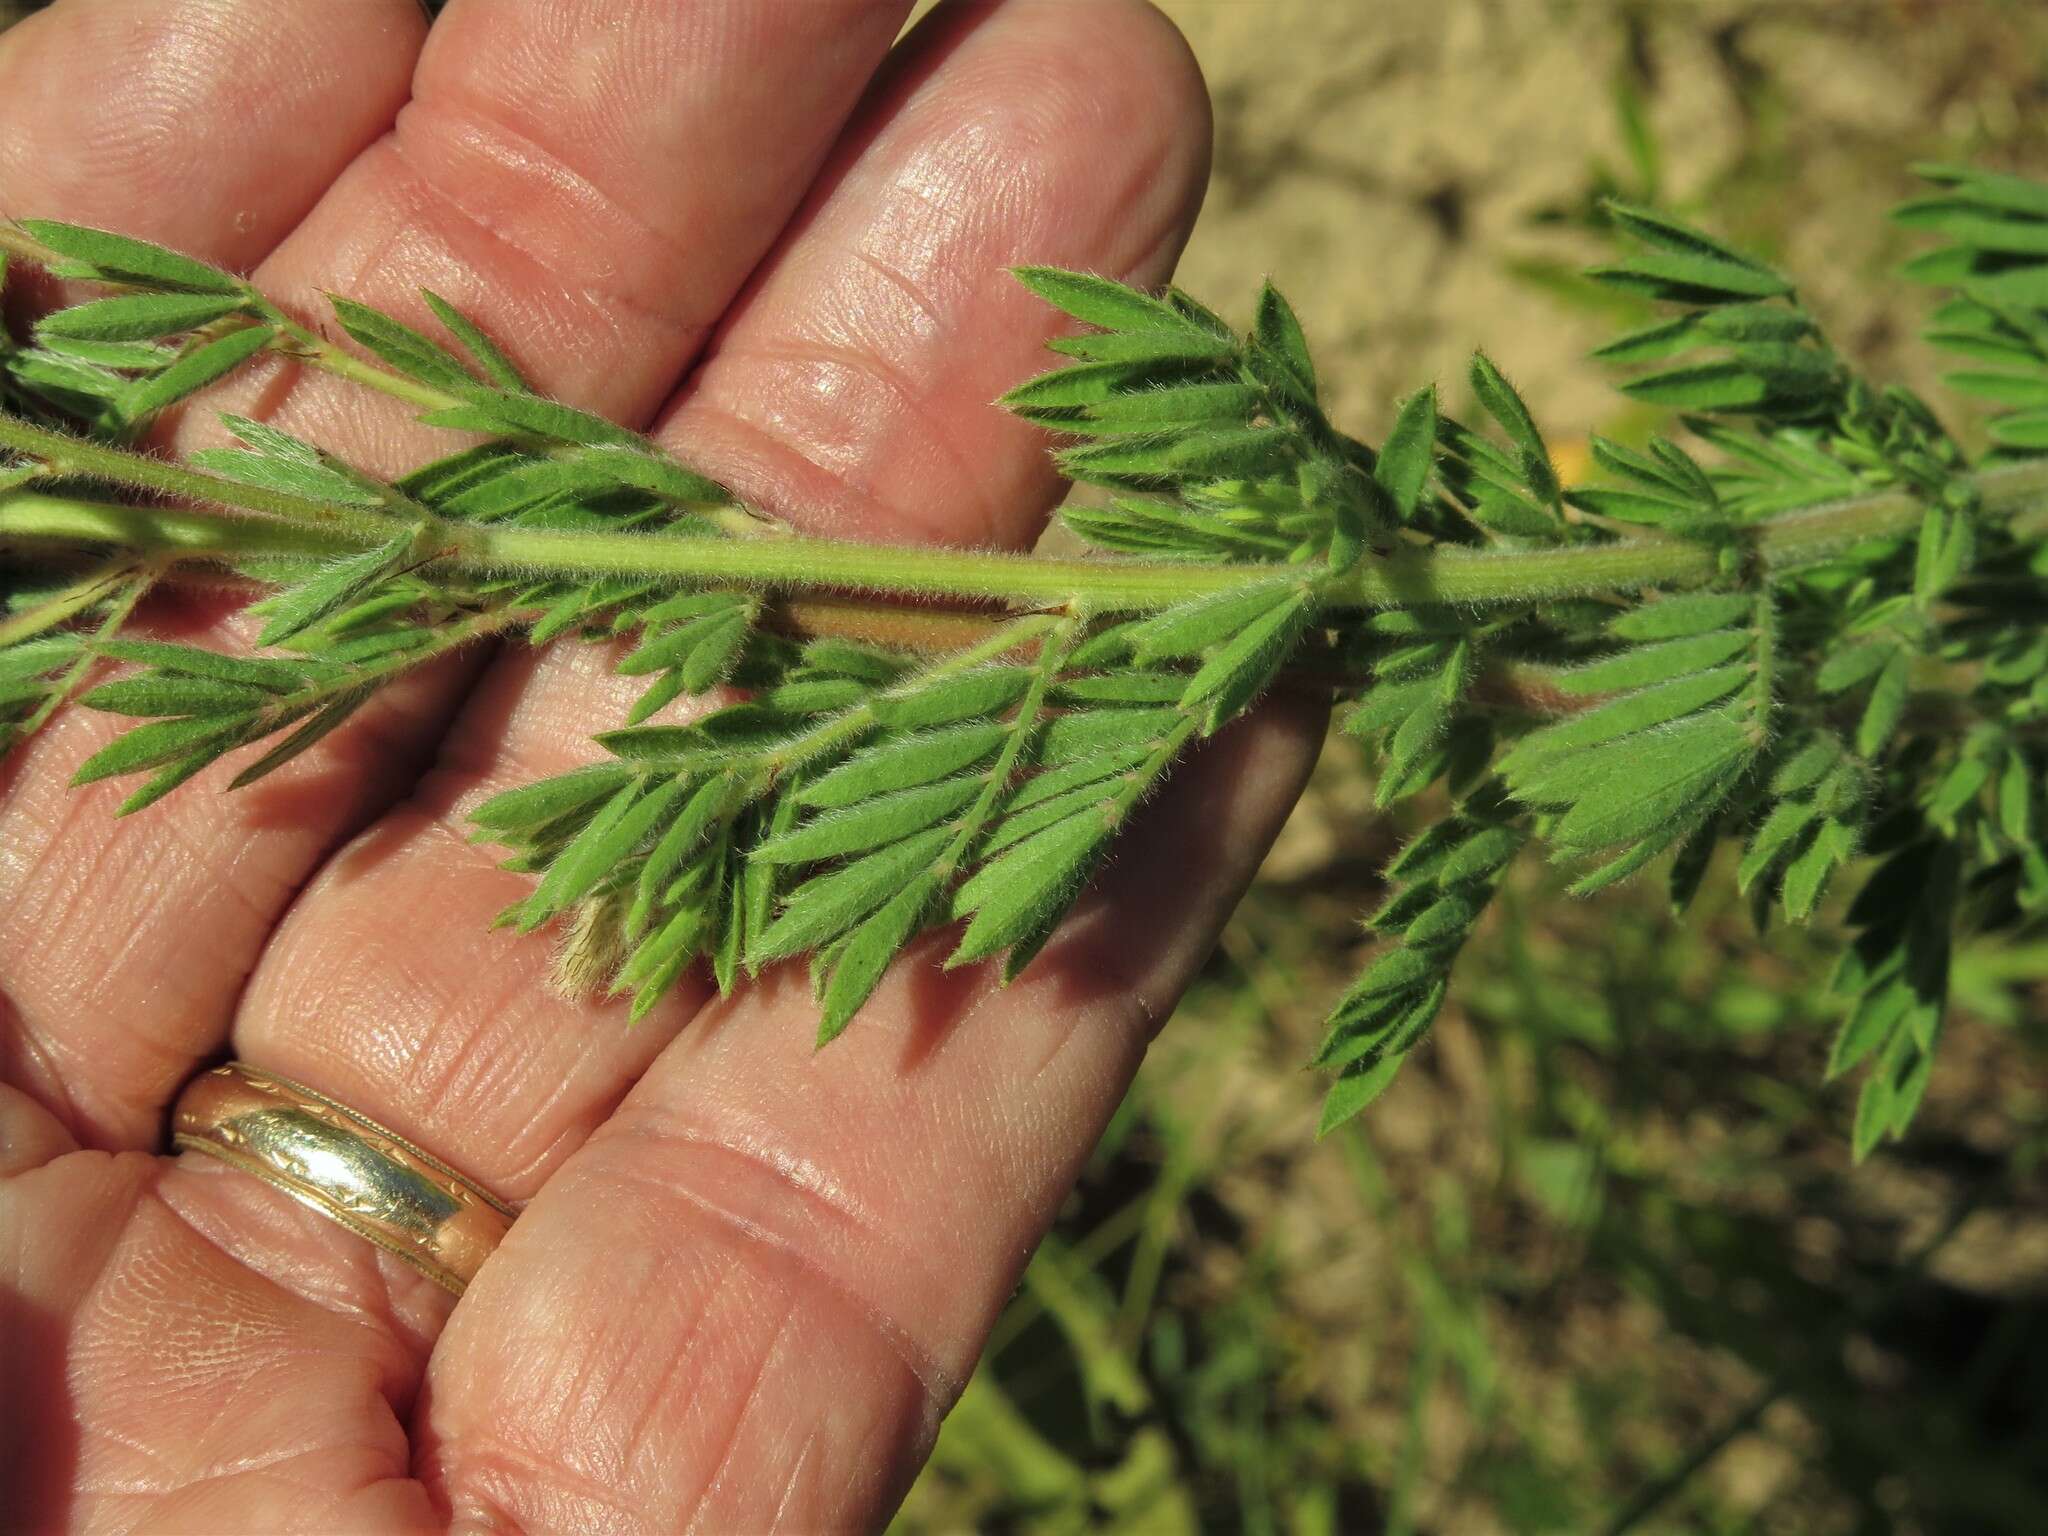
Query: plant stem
(306,346)
(791,563)
(1405,579)
(66,457)
(67,603)
(291,339)
(132,590)
(1057,643)
(838,730)
(38,517)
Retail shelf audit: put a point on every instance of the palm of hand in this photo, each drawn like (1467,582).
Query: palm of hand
(747,1281)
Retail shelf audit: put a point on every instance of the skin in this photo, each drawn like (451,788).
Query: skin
(749,1278)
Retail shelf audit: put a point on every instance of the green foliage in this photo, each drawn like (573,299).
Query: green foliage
(1845,678)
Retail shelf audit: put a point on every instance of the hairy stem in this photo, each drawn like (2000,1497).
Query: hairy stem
(37,517)
(66,457)
(792,563)
(66,603)
(1058,642)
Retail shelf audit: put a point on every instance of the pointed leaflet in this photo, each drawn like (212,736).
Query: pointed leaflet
(278,461)
(1100,302)
(1685,265)
(1652,341)
(272,674)
(868,950)
(1667,234)
(1066,393)
(1377,1064)
(1192,628)
(496,366)
(159,742)
(297,609)
(971,695)
(636,465)
(193,370)
(1099,795)
(1240,668)
(1279,332)
(904,763)
(1153,347)
(1629,714)
(821,909)
(658,962)
(94,253)
(1202,408)
(872,824)
(501,411)
(712,801)
(534,805)
(1505,406)
(1088,734)
(1632,761)
(1022,890)
(624,822)
(1674,618)
(155,694)
(139,316)
(321,722)
(1405,458)
(1644,665)
(401,346)
(1077,774)
(171,776)
(1886,705)
(1673,775)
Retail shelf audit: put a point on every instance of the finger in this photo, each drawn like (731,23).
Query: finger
(770,1272)
(213,127)
(505,1078)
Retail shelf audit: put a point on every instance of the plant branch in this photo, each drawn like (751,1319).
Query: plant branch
(38,517)
(66,603)
(792,563)
(66,457)
(1406,579)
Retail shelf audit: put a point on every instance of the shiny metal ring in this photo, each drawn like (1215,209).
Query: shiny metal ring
(345,1166)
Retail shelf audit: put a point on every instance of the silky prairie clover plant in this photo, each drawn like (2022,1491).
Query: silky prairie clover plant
(1812,628)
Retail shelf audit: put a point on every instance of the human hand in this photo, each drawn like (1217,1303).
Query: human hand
(748,1279)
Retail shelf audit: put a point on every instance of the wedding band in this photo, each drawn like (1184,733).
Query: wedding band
(345,1166)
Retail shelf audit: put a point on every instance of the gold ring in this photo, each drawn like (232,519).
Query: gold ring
(345,1166)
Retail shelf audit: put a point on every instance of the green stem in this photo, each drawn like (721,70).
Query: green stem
(66,603)
(306,346)
(1406,579)
(40,518)
(837,730)
(68,457)
(291,339)
(133,585)
(1411,577)
(1058,642)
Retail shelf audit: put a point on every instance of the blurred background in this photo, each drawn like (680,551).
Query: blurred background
(1599,1261)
